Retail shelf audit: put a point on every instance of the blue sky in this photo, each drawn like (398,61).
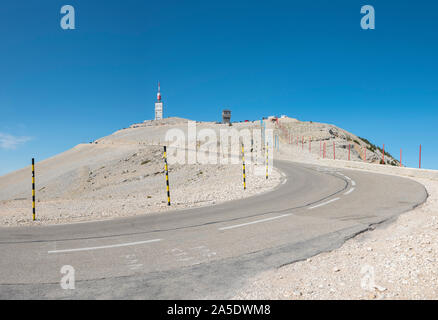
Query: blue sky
(307,59)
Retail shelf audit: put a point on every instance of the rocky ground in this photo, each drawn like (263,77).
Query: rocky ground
(397,260)
(132,192)
(123,175)
(313,137)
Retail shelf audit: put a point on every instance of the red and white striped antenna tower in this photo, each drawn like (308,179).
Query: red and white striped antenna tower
(158,93)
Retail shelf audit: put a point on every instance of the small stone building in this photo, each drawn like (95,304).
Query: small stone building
(226,116)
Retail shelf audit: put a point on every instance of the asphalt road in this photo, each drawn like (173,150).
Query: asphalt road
(202,253)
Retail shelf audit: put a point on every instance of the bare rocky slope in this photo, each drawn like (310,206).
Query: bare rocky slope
(316,134)
(123,174)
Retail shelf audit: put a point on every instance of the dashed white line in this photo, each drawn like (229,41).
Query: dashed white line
(353,183)
(349,191)
(284,181)
(105,247)
(324,203)
(185,259)
(254,222)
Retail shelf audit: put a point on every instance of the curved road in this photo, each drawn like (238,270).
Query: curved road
(206,252)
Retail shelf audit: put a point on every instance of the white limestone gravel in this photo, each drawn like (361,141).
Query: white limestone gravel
(397,260)
(123,175)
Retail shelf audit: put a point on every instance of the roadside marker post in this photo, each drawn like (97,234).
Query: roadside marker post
(257,153)
(334,152)
(320,143)
(243,164)
(267,159)
(167,176)
(262,126)
(33,189)
(383,154)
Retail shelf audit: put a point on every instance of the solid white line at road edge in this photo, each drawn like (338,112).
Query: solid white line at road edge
(349,191)
(254,222)
(324,203)
(105,247)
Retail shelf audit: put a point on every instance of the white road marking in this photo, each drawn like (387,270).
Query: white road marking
(349,191)
(284,181)
(133,262)
(135,266)
(324,203)
(353,183)
(185,259)
(327,170)
(196,254)
(180,254)
(254,222)
(105,247)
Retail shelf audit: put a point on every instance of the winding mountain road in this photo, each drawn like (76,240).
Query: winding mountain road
(206,252)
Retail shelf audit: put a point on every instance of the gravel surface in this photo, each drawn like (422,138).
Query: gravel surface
(123,175)
(140,193)
(397,260)
(309,138)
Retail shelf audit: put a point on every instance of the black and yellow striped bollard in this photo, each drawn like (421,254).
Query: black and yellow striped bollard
(33,189)
(167,176)
(243,163)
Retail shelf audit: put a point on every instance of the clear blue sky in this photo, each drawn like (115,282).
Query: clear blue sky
(307,59)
